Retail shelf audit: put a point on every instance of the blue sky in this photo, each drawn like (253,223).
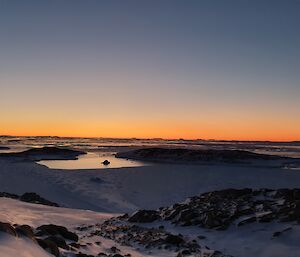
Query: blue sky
(201,63)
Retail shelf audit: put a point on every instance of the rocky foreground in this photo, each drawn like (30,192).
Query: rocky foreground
(148,231)
(220,209)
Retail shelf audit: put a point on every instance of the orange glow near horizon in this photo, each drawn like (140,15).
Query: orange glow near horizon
(175,130)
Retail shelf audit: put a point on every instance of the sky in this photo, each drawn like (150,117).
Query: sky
(168,69)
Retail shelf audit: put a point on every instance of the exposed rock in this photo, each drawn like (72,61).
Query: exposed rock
(83,255)
(106,162)
(247,221)
(191,155)
(59,241)
(220,209)
(29,198)
(57,230)
(35,198)
(25,231)
(149,238)
(49,246)
(45,153)
(7,228)
(144,216)
(8,195)
(174,240)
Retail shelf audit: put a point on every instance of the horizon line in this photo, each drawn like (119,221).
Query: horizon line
(161,138)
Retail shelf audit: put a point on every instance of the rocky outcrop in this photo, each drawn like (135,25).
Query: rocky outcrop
(45,153)
(51,237)
(54,230)
(35,198)
(220,209)
(144,216)
(194,156)
(132,235)
(7,228)
(29,197)
(148,238)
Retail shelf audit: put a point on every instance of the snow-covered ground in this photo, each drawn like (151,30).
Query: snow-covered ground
(129,189)
(16,212)
(111,191)
(22,247)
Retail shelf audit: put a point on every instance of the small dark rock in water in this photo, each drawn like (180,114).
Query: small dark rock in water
(7,228)
(144,216)
(106,162)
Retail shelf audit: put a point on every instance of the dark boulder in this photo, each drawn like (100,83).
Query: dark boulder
(144,216)
(35,198)
(57,230)
(7,228)
(106,162)
(25,231)
(174,240)
(59,241)
(8,195)
(49,246)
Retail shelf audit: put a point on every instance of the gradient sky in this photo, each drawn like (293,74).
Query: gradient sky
(171,69)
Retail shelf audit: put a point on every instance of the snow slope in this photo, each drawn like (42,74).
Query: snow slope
(11,247)
(129,189)
(14,211)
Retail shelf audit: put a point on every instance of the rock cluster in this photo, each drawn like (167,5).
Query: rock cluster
(57,240)
(192,155)
(49,237)
(29,197)
(136,236)
(45,153)
(220,209)
(123,232)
